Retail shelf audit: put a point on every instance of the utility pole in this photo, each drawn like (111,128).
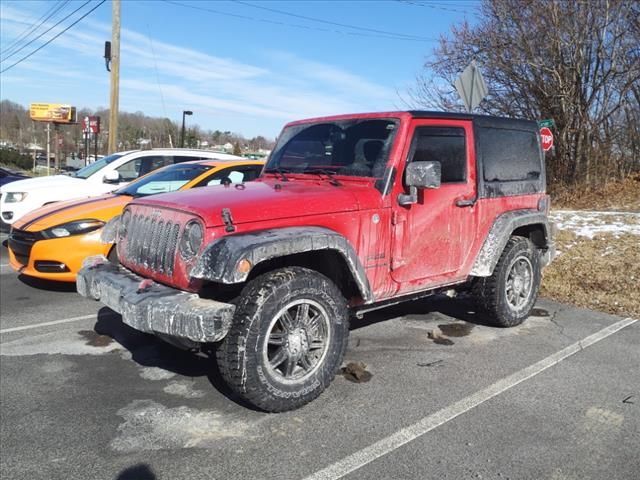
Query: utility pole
(56,148)
(48,148)
(115,77)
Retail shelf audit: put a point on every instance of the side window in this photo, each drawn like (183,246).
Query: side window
(510,155)
(445,145)
(149,164)
(129,171)
(182,158)
(232,175)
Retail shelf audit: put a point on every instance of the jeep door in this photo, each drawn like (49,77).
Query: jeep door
(432,237)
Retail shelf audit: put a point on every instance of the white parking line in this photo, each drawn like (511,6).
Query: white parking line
(55,322)
(394,441)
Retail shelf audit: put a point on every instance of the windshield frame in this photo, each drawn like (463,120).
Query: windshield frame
(273,166)
(100,164)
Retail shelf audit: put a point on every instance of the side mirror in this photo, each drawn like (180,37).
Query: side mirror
(420,175)
(111,177)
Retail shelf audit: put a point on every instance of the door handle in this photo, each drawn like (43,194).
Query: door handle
(462,202)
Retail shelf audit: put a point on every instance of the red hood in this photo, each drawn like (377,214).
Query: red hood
(261,200)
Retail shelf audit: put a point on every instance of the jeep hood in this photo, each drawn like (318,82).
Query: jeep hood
(258,201)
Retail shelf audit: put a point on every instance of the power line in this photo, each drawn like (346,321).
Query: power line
(43,33)
(440,6)
(155,65)
(293,25)
(328,22)
(52,39)
(35,25)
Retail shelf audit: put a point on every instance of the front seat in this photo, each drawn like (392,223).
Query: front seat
(366,153)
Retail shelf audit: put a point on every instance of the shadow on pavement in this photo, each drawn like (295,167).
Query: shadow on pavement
(49,285)
(141,471)
(460,308)
(149,351)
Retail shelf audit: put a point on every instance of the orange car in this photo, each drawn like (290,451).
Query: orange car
(51,242)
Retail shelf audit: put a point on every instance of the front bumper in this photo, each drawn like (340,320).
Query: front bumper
(153,308)
(28,249)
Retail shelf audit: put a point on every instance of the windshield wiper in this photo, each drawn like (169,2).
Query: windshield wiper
(279,171)
(325,171)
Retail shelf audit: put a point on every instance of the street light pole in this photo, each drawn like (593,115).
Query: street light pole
(184,112)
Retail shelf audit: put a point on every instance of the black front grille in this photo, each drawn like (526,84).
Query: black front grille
(21,242)
(151,243)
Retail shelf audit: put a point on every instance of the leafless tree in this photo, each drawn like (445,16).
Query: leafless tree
(575,61)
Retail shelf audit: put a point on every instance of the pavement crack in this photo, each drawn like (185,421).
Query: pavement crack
(560,328)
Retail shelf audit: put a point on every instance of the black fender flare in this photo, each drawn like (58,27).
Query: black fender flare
(502,228)
(219,260)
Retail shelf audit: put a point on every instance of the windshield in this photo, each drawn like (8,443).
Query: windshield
(86,172)
(358,148)
(165,180)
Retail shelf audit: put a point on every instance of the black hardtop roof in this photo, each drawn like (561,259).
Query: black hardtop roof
(480,120)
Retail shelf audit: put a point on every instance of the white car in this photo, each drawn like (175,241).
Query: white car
(105,175)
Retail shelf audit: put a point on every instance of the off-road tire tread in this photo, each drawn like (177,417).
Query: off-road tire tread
(230,353)
(486,290)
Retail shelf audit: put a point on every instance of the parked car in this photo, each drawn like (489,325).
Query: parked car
(8,176)
(103,176)
(352,213)
(51,242)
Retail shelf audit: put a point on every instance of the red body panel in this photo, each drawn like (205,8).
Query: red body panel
(403,249)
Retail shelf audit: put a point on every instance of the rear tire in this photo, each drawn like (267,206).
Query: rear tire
(288,339)
(509,294)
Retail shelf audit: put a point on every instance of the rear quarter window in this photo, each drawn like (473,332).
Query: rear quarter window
(510,155)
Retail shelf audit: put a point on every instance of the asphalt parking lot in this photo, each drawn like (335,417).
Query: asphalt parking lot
(85,397)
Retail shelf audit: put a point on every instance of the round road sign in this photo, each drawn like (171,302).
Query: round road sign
(547,138)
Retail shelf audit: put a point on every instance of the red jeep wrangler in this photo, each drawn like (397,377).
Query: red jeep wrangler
(352,213)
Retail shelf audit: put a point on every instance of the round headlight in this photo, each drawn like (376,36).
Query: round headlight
(124,224)
(191,240)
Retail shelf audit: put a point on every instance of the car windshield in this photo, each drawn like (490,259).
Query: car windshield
(165,180)
(358,148)
(86,172)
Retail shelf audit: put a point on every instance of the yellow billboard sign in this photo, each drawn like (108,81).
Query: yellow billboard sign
(52,112)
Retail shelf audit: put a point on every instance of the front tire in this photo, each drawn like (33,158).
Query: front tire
(509,294)
(287,341)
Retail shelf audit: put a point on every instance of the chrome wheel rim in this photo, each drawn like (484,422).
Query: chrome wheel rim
(519,283)
(297,341)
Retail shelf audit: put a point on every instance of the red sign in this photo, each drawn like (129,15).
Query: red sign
(547,138)
(91,125)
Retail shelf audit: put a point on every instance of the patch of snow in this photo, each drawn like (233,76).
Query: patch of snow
(183,389)
(590,223)
(151,426)
(155,373)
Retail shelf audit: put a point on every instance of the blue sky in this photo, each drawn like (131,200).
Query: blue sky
(236,66)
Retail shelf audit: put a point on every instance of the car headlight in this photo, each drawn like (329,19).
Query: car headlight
(15,197)
(191,240)
(72,228)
